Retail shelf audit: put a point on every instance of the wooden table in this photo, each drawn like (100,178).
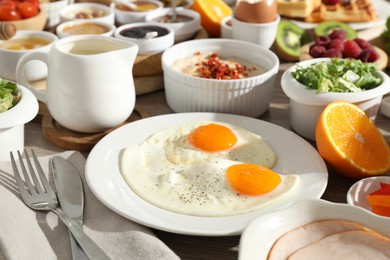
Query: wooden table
(197,247)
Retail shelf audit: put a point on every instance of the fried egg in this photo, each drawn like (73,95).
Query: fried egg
(205,169)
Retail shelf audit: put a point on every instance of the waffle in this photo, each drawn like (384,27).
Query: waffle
(297,8)
(354,11)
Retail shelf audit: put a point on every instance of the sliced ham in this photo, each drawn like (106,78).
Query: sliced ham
(347,245)
(309,233)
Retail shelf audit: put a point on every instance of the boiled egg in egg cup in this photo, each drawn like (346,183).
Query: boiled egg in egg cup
(185,25)
(255,21)
(249,96)
(206,169)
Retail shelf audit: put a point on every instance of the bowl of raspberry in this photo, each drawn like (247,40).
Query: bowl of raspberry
(336,45)
(312,84)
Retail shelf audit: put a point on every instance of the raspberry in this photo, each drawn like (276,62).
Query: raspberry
(317,51)
(369,55)
(322,40)
(351,49)
(362,43)
(337,44)
(333,53)
(338,34)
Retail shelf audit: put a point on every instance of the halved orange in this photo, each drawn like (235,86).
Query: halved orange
(350,142)
(211,14)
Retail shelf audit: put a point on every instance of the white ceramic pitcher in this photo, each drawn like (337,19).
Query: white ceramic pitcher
(90,84)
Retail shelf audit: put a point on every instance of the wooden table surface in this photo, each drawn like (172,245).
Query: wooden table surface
(197,247)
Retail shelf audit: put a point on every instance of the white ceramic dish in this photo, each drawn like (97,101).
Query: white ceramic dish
(62,34)
(68,13)
(359,190)
(150,45)
(385,106)
(381,7)
(306,104)
(249,96)
(106,182)
(183,30)
(259,236)
(125,17)
(35,70)
(12,123)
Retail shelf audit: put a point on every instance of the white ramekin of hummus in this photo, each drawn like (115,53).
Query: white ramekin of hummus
(187,67)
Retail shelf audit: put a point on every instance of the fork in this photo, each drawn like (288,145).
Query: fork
(39,195)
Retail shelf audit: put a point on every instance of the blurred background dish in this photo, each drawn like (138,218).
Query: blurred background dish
(151,38)
(125,14)
(79,27)
(185,26)
(37,22)
(25,41)
(90,11)
(226,28)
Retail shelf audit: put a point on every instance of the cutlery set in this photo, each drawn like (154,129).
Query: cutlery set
(38,194)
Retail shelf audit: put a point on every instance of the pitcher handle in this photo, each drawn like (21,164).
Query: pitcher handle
(21,78)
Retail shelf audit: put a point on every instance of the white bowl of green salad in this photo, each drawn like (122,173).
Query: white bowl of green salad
(313,84)
(18,105)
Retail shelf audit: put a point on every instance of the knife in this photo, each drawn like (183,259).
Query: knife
(71,197)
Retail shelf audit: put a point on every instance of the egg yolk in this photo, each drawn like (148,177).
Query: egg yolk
(252,179)
(212,138)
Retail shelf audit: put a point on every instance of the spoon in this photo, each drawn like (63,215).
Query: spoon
(150,35)
(173,10)
(7,30)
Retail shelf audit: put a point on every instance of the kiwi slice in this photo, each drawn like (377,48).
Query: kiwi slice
(289,40)
(326,27)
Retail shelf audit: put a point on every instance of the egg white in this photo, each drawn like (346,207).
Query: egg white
(169,173)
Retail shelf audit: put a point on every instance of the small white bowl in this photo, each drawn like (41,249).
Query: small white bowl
(53,12)
(104,28)
(69,12)
(260,235)
(248,96)
(147,45)
(34,70)
(226,29)
(263,34)
(183,30)
(357,194)
(12,123)
(306,105)
(124,17)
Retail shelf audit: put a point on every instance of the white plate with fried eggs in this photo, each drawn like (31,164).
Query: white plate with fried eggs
(103,174)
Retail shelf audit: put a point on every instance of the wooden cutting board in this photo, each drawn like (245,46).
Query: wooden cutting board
(71,140)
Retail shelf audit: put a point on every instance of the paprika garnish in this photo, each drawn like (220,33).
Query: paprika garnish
(214,68)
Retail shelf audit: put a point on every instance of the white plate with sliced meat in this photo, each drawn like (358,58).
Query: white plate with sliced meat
(311,225)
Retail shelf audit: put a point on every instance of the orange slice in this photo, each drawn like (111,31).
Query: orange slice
(211,14)
(350,142)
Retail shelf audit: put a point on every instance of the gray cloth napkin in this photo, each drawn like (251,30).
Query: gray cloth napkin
(29,234)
